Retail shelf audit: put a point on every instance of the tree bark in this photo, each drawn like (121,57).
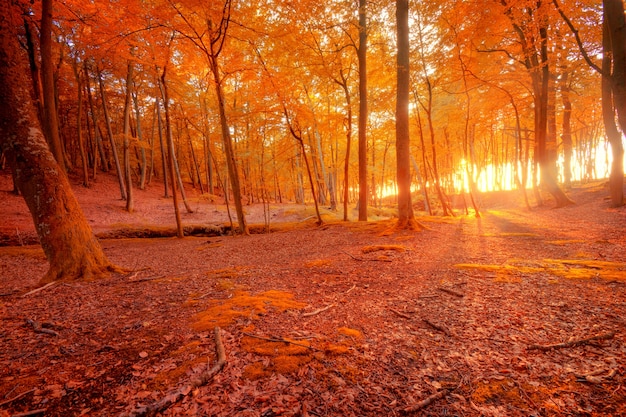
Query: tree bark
(233,173)
(51,124)
(163,149)
(79,123)
(107,120)
(128,181)
(170,154)
(614,91)
(66,238)
(403,149)
(363,111)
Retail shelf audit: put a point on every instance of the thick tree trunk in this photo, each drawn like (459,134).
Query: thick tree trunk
(403,149)
(616,178)
(66,238)
(614,91)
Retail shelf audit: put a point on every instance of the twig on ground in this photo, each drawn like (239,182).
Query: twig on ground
(351,288)
(363,259)
(36,290)
(17,397)
(178,395)
(6,294)
(134,281)
(437,327)
(451,292)
(530,400)
(596,377)
(38,329)
(281,340)
(573,343)
(319,310)
(30,413)
(399,313)
(426,401)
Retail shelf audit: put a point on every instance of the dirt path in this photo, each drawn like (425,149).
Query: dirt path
(389,320)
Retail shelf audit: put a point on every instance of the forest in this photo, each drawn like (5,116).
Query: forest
(343,208)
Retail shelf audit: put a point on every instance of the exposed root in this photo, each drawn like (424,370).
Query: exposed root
(176,396)
(573,343)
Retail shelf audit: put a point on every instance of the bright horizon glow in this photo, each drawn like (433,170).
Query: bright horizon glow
(502,177)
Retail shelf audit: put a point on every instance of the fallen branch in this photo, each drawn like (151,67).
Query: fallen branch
(17,397)
(38,329)
(399,313)
(36,290)
(452,292)
(437,327)
(276,340)
(351,288)
(426,401)
(318,311)
(573,343)
(178,395)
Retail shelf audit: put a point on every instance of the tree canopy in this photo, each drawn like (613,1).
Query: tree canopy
(502,95)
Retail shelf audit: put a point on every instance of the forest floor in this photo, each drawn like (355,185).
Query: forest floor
(515,313)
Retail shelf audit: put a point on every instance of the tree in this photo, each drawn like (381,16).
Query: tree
(614,90)
(51,125)
(403,149)
(66,238)
(613,72)
(362,54)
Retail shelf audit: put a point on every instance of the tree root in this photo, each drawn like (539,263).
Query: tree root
(426,401)
(279,340)
(37,328)
(451,292)
(319,310)
(437,327)
(573,343)
(9,401)
(399,313)
(176,396)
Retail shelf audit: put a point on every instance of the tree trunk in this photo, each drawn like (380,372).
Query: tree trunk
(567,130)
(163,149)
(343,82)
(107,120)
(66,238)
(233,173)
(170,154)
(403,149)
(130,203)
(363,112)
(94,119)
(51,125)
(614,91)
(142,148)
(79,122)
